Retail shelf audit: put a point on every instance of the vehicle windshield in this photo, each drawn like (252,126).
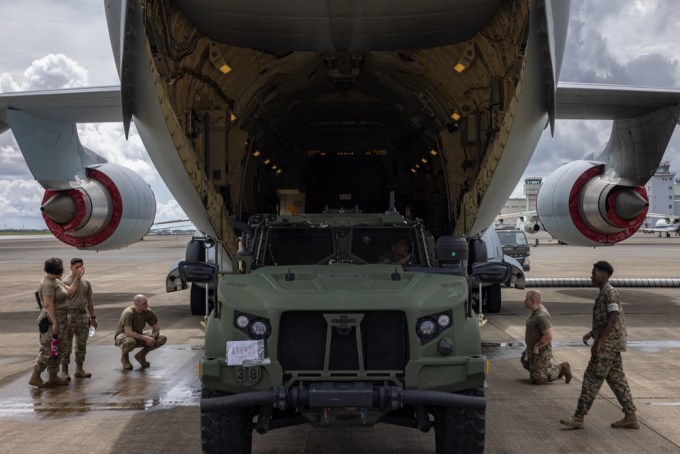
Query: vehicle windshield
(512,238)
(299,246)
(321,246)
(381,245)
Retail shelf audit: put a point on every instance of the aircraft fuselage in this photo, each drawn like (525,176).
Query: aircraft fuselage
(342,103)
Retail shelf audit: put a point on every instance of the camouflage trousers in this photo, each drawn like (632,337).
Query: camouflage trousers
(542,366)
(606,366)
(127,344)
(45,360)
(78,326)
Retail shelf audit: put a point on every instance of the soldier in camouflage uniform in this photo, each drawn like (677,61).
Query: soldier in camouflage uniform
(53,294)
(609,334)
(80,316)
(130,333)
(538,358)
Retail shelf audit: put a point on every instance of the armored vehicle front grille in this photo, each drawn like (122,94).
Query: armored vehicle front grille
(302,341)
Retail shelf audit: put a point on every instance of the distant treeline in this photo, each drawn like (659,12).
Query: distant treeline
(24,232)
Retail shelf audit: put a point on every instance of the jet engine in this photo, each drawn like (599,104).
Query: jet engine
(579,205)
(112,208)
(532,225)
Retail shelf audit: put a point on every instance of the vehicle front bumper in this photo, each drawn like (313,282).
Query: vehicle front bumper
(343,394)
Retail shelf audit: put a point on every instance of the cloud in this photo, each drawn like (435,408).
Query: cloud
(48,73)
(169,211)
(12,164)
(56,71)
(19,200)
(613,46)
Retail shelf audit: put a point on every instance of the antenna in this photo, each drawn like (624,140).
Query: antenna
(391,209)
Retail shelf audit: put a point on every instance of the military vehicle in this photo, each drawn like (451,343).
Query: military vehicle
(515,245)
(318,324)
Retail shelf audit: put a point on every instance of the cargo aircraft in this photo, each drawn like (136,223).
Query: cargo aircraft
(244,106)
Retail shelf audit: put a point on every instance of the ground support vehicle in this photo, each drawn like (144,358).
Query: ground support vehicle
(515,245)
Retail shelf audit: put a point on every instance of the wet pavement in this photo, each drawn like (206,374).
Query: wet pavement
(156,409)
(161,386)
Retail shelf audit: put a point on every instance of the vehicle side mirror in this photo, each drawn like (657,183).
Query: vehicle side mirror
(200,272)
(491,272)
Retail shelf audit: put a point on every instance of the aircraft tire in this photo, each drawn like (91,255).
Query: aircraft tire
(459,430)
(493,298)
(228,430)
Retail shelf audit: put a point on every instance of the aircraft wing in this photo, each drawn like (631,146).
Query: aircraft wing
(670,219)
(88,203)
(576,101)
(72,105)
(669,228)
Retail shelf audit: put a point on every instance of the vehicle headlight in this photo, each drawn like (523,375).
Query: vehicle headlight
(426,328)
(259,329)
(431,326)
(444,320)
(255,327)
(242,321)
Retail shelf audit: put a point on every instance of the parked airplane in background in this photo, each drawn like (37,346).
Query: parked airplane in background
(523,220)
(665,225)
(336,104)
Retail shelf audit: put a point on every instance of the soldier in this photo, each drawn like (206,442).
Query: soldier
(130,333)
(538,358)
(53,295)
(609,340)
(398,254)
(80,316)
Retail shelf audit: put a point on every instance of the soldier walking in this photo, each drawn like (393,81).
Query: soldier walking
(609,335)
(80,316)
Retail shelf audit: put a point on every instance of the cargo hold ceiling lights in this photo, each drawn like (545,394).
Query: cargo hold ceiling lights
(466,57)
(217,59)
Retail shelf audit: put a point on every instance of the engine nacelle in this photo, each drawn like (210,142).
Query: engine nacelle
(110,209)
(532,225)
(579,206)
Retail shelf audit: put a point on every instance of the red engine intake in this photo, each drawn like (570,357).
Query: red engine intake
(579,206)
(112,208)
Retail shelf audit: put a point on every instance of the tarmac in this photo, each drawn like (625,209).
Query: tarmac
(156,409)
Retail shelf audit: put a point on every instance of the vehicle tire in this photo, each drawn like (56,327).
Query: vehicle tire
(493,298)
(197,300)
(459,430)
(226,431)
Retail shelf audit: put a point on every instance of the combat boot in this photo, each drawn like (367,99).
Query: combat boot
(64,373)
(141,357)
(629,421)
(80,372)
(55,380)
(125,360)
(575,422)
(35,379)
(565,371)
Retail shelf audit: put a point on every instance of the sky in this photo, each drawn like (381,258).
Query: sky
(50,44)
